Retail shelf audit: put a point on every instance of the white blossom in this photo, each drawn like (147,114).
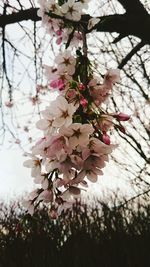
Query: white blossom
(46,196)
(112,76)
(62,112)
(92,22)
(46,125)
(72,10)
(53,7)
(66,62)
(78,134)
(34,164)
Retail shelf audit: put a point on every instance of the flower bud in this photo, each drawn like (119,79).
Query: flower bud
(59,84)
(106,139)
(59,40)
(83,102)
(122,116)
(81,86)
(59,32)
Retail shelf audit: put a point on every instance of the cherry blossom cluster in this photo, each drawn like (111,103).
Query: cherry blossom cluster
(75,145)
(71,10)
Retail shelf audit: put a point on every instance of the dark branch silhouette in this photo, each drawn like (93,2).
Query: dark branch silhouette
(133,6)
(136,20)
(130,54)
(28,14)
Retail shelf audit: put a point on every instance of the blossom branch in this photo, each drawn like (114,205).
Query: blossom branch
(76,143)
(123,24)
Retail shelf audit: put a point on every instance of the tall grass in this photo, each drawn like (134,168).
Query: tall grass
(81,237)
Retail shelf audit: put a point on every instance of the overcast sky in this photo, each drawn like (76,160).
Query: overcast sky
(15,179)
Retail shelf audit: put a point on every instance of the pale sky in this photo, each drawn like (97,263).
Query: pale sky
(16,179)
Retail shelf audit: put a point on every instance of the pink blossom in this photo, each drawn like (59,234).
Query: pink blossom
(72,10)
(65,167)
(59,41)
(75,191)
(35,164)
(77,133)
(78,35)
(92,174)
(66,62)
(46,196)
(71,94)
(46,125)
(112,76)
(106,139)
(51,73)
(93,162)
(40,141)
(81,87)
(57,84)
(83,102)
(77,161)
(59,32)
(62,111)
(58,145)
(105,123)
(61,182)
(92,83)
(79,177)
(53,7)
(96,148)
(40,148)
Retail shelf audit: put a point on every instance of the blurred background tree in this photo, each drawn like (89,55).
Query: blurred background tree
(83,237)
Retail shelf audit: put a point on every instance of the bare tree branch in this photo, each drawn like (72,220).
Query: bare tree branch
(28,14)
(133,6)
(126,24)
(131,54)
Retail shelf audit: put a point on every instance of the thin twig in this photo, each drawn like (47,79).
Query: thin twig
(131,54)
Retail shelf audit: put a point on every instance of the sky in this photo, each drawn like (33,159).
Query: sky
(15,180)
